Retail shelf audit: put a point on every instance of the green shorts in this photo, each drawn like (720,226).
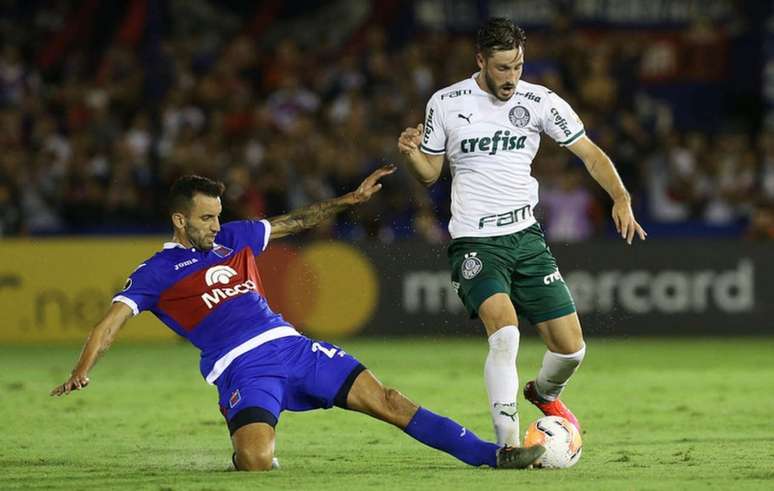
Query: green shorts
(520,264)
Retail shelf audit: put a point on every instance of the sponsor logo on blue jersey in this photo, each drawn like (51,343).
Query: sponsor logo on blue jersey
(189,262)
(222,274)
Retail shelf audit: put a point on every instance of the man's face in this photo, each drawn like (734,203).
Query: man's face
(202,223)
(502,71)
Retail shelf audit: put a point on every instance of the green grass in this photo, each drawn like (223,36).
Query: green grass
(657,414)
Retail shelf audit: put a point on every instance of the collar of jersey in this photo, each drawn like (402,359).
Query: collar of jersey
(173,245)
(475,84)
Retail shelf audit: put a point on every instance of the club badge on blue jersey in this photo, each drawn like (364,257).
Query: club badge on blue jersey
(234,399)
(222,251)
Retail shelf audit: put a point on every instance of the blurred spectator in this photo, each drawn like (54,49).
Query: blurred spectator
(571,212)
(10,213)
(289,105)
(762,224)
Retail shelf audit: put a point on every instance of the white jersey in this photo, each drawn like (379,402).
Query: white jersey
(490,145)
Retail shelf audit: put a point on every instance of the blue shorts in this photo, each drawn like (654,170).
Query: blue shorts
(294,373)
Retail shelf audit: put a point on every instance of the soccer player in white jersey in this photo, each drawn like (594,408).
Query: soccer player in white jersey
(488,127)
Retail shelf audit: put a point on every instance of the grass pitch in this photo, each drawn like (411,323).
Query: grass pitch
(657,414)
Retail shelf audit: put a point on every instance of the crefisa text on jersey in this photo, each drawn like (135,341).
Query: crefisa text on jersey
(493,143)
(530,96)
(560,121)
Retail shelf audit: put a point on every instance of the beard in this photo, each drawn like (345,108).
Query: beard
(198,239)
(494,89)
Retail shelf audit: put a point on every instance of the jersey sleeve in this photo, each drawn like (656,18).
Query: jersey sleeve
(434,138)
(560,122)
(237,234)
(141,291)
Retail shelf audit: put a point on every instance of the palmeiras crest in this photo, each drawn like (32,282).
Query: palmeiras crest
(519,116)
(471,266)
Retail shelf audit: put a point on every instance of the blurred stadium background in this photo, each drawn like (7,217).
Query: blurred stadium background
(103,104)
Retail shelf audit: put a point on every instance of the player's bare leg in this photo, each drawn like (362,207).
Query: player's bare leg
(369,396)
(253,447)
(563,334)
(564,339)
(502,380)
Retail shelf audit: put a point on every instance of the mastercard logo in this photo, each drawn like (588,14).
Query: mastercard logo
(327,289)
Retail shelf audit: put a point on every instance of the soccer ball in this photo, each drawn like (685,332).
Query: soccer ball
(560,437)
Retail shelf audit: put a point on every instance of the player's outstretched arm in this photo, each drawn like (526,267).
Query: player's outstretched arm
(98,342)
(603,171)
(425,168)
(310,216)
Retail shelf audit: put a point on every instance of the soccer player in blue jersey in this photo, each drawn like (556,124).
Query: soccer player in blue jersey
(205,286)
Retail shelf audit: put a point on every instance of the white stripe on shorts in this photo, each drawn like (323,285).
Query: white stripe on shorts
(224,361)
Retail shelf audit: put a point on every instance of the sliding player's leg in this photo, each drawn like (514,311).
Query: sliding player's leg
(250,393)
(369,396)
(253,447)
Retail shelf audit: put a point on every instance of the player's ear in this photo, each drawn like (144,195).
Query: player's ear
(178,220)
(480,60)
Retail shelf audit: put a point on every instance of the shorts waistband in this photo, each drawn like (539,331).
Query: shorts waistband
(224,361)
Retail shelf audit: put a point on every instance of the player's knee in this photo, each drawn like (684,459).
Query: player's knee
(570,345)
(395,406)
(573,353)
(254,459)
(497,312)
(392,399)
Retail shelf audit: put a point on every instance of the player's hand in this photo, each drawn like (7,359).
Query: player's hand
(409,140)
(371,184)
(625,224)
(75,382)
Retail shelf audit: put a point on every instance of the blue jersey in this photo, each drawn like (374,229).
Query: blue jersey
(212,298)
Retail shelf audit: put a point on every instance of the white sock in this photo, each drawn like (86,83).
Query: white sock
(502,383)
(556,371)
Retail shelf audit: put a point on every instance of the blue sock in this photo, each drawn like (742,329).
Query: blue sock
(448,436)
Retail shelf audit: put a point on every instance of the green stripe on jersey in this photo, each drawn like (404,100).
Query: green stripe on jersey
(431,150)
(573,138)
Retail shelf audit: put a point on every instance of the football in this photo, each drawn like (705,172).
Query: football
(560,437)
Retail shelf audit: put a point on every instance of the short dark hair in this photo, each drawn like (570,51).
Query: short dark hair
(184,189)
(499,34)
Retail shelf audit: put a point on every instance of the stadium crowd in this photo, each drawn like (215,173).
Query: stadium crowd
(92,134)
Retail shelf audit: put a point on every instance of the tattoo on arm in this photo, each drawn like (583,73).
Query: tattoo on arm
(306,218)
